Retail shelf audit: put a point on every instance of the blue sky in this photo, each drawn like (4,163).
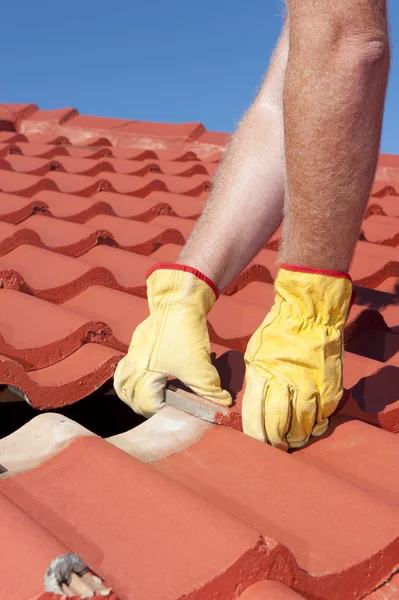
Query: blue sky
(154,60)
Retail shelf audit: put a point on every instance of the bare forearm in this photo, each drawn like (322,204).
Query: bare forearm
(333,106)
(246,204)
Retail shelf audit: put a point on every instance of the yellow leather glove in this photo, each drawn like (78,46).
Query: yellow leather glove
(294,360)
(172,341)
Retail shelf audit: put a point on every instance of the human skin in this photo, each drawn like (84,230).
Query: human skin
(309,143)
(334,95)
(246,204)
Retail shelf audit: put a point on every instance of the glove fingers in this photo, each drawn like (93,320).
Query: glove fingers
(266,411)
(205,381)
(304,412)
(253,405)
(277,412)
(143,390)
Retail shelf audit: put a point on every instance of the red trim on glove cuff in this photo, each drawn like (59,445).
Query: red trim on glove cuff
(313,271)
(187,269)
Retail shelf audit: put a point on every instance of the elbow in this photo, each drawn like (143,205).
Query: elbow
(364,51)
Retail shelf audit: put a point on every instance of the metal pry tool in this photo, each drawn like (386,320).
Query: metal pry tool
(194,405)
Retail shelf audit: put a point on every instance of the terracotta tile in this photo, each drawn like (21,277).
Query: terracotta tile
(232,322)
(46,138)
(387,173)
(181,131)
(365,378)
(82,166)
(26,553)
(388,206)
(388,160)
(39,150)
(12,236)
(68,238)
(381,230)
(185,226)
(167,432)
(372,310)
(128,268)
(390,285)
(87,152)
(154,204)
(142,238)
(27,164)
(82,185)
(11,137)
(71,207)
(21,111)
(236,558)
(143,167)
(14,209)
(6,148)
(80,137)
(57,116)
(179,154)
(361,454)
(52,276)
(373,264)
(24,184)
(326,543)
(120,311)
(376,344)
(39,439)
(257,292)
(269,590)
(381,189)
(389,591)
(143,185)
(215,138)
(64,382)
(96,123)
(262,268)
(166,253)
(136,153)
(38,334)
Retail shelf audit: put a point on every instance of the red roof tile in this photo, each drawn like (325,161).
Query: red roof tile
(267,590)
(87,205)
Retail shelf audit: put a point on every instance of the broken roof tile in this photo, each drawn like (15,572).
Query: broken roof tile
(65,382)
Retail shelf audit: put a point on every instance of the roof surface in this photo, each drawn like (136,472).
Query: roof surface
(176,508)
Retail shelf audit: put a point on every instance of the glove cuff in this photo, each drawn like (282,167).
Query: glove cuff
(315,271)
(187,269)
(327,272)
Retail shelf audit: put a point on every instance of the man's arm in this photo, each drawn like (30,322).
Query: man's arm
(333,107)
(334,94)
(246,204)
